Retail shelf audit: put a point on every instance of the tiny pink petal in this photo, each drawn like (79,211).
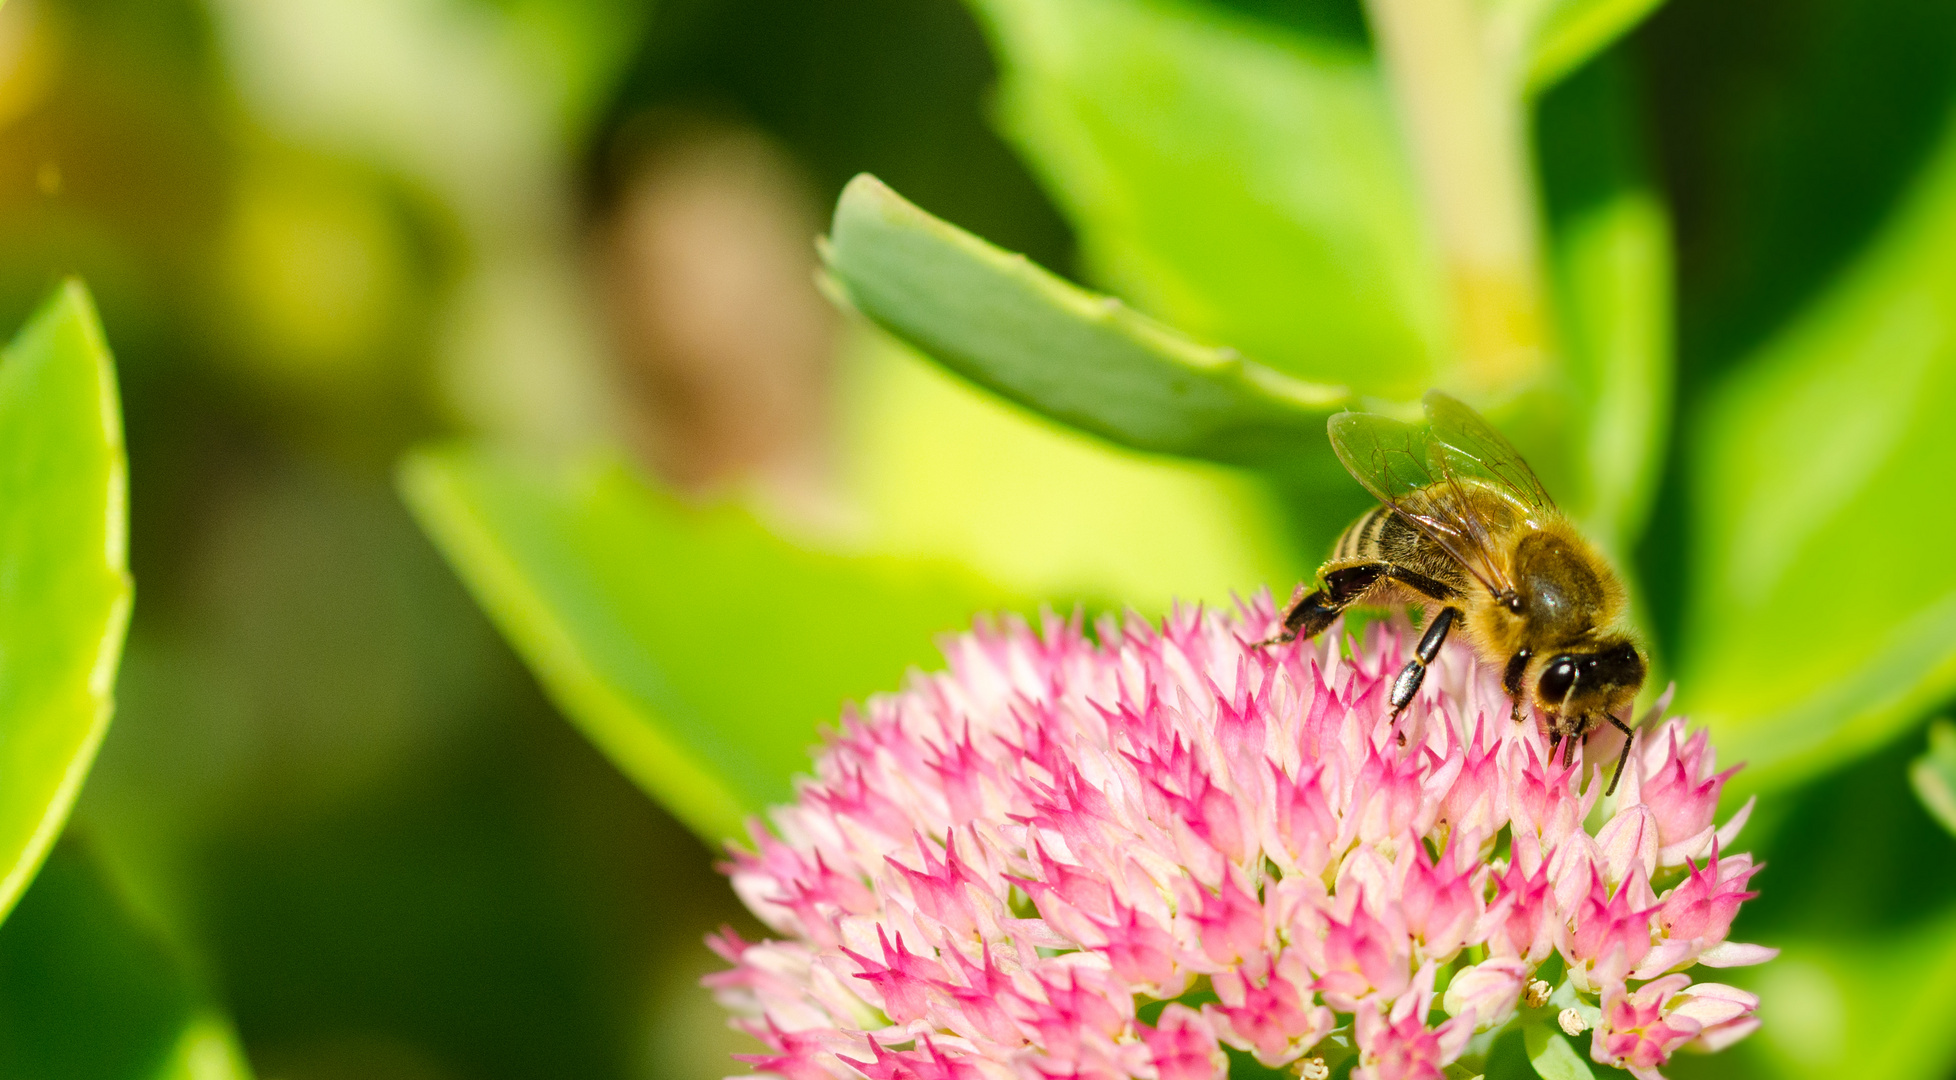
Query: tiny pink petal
(1182,1046)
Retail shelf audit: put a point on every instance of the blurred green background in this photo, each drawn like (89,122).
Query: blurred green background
(322,233)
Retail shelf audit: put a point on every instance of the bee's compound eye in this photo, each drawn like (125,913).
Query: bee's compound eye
(1620,666)
(1557,678)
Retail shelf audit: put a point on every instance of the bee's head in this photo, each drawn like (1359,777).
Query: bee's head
(1599,682)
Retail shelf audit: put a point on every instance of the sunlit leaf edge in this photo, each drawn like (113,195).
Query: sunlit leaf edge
(97,983)
(1933,775)
(970,306)
(1576,31)
(208,1050)
(431,480)
(72,310)
(1856,715)
(1874,1006)
(1913,669)
(1237,176)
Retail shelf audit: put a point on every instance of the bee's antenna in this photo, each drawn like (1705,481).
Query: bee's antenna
(1629,737)
(1621,759)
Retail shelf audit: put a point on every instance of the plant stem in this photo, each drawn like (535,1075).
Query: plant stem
(1464,118)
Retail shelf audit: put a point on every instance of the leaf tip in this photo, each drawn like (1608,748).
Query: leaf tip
(423,472)
(866,193)
(1933,775)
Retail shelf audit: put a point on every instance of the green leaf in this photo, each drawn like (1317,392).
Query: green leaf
(1245,1066)
(1820,622)
(1611,247)
(89,992)
(1934,774)
(1085,360)
(1239,181)
(64,582)
(936,468)
(1876,1008)
(696,650)
(1553,1056)
(1567,33)
(1507,1054)
(1612,260)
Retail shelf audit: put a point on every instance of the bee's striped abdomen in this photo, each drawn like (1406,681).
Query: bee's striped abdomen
(1360,539)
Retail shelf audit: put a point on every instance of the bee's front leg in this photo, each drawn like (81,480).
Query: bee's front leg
(1511,681)
(1571,739)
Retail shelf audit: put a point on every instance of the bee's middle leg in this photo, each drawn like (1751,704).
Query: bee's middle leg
(1414,673)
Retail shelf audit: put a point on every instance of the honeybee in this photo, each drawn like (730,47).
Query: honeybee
(1464,529)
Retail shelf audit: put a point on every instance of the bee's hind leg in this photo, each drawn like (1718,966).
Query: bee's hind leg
(1310,613)
(1307,617)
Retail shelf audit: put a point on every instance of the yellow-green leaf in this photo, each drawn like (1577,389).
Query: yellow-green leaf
(1568,33)
(1933,775)
(1553,1056)
(89,991)
(1875,1007)
(1244,182)
(64,580)
(1086,360)
(1821,619)
(694,648)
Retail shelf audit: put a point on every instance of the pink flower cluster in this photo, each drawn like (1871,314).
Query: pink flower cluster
(1006,870)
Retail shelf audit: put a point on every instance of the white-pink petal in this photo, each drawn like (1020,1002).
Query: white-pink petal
(1731,954)
(1488,992)
(1629,840)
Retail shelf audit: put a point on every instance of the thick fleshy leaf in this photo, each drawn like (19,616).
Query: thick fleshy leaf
(1615,263)
(696,650)
(1874,1007)
(1554,1056)
(1820,621)
(1934,774)
(64,580)
(1240,181)
(938,469)
(1612,261)
(1596,431)
(1563,34)
(88,991)
(1083,359)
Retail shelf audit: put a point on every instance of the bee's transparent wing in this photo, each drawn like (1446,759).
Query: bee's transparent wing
(1403,468)
(1466,446)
